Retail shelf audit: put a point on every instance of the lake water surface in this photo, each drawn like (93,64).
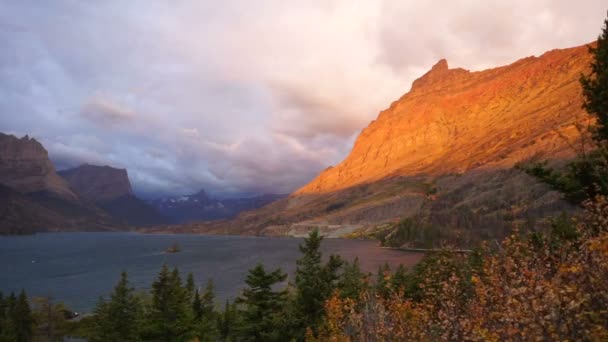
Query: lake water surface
(77,268)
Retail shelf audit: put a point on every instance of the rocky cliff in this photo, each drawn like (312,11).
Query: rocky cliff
(35,198)
(453,121)
(25,167)
(98,183)
(110,189)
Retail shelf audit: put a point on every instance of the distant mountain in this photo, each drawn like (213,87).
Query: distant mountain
(110,189)
(443,155)
(98,183)
(200,207)
(33,198)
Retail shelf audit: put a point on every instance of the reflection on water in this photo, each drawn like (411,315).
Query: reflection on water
(77,268)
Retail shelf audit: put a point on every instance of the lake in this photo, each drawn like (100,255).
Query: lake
(77,268)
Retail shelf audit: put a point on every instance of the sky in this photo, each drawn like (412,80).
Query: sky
(243,97)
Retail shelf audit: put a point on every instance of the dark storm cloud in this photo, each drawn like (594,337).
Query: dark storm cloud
(239,97)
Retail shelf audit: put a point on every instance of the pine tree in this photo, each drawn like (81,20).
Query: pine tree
(383,276)
(9,332)
(208,314)
(352,282)
(2,313)
(399,279)
(228,322)
(595,86)
(197,306)
(22,318)
(314,283)
(51,318)
(206,317)
(170,317)
(120,318)
(190,286)
(263,307)
(587,176)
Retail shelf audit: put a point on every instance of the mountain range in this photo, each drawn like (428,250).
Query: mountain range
(34,197)
(201,207)
(444,155)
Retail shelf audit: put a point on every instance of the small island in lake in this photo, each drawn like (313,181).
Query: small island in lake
(173,249)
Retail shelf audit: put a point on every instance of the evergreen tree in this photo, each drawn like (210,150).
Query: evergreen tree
(8,330)
(197,306)
(22,319)
(209,315)
(190,286)
(399,280)
(352,282)
(314,283)
(120,318)
(2,313)
(206,316)
(586,176)
(50,318)
(170,317)
(263,307)
(383,277)
(595,86)
(228,322)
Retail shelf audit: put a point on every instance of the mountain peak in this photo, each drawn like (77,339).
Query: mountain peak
(441,65)
(201,194)
(439,76)
(453,121)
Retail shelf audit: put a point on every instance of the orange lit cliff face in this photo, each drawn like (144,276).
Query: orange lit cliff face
(453,121)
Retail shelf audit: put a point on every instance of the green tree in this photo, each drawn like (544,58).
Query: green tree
(595,86)
(190,286)
(383,285)
(315,282)
(119,319)
(353,281)
(205,315)
(22,319)
(8,333)
(399,279)
(2,313)
(586,176)
(50,318)
(170,316)
(197,306)
(263,306)
(228,322)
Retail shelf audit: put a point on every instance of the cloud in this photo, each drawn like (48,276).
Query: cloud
(105,112)
(239,97)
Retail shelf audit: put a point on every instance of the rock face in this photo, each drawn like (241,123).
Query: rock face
(453,121)
(34,198)
(110,189)
(98,183)
(25,167)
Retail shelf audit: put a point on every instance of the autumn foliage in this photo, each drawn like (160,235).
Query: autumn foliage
(540,287)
